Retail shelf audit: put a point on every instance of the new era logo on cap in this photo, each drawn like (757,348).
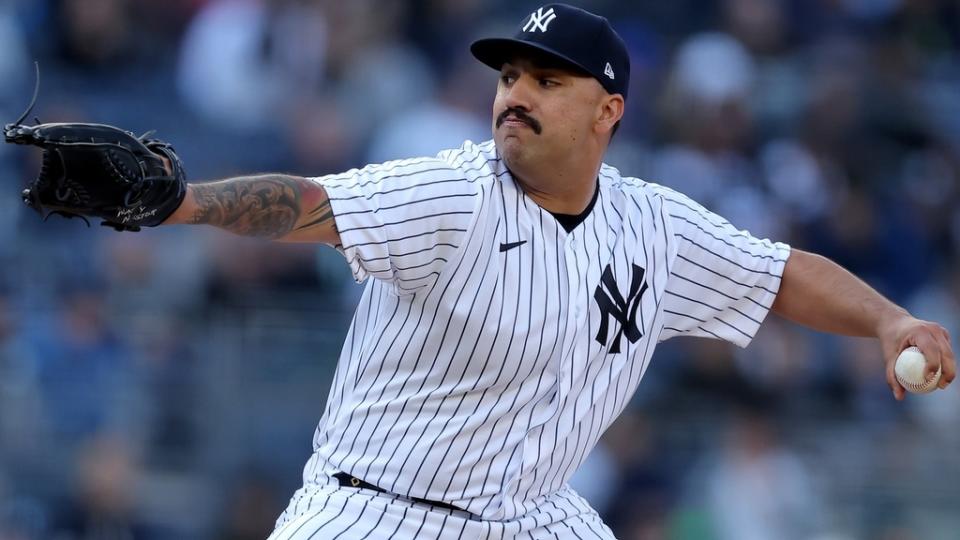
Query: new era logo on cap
(584,41)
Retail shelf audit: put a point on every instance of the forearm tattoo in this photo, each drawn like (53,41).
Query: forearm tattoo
(320,215)
(267,206)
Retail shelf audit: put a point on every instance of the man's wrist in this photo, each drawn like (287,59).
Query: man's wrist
(184,212)
(889,318)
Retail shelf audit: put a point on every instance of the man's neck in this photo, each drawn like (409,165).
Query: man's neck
(561,191)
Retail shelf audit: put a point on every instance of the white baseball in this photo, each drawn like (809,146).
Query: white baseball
(909,370)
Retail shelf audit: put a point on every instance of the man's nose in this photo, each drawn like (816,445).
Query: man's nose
(519,94)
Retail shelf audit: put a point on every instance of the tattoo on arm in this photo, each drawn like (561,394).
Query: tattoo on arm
(321,215)
(275,206)
(267,205)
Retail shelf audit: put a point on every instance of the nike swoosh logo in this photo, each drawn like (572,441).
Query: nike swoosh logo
(511,245)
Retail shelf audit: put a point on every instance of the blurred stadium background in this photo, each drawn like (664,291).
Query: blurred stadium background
(166,384)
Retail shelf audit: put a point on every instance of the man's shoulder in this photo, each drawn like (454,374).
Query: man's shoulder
(471,163)
(629,186)
(468,156)
(635,187)
(472,157)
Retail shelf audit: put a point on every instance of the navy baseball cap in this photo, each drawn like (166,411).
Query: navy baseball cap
(572,35)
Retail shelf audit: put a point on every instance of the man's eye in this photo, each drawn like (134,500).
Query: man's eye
(507,79)
(547,83)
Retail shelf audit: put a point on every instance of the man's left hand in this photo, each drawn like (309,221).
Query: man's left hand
(931,338)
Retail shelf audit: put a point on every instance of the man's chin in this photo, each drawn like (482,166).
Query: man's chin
(515,152)
(509,144)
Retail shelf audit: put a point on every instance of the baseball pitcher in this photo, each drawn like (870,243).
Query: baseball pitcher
(515,292)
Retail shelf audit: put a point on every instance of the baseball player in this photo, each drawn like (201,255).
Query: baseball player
(515,292)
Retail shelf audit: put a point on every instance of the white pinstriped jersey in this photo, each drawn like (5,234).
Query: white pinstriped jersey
(493,348)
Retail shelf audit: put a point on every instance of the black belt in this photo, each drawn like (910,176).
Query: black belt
(351,481)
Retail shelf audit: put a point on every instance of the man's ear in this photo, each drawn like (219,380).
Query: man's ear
(609,113)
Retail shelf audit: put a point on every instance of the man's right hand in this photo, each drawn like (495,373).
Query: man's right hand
(101,171)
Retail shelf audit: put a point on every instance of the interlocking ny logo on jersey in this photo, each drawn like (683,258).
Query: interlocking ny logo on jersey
(613,306)
(539,20)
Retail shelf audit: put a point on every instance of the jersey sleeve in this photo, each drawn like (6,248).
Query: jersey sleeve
(723,281)
(401,221)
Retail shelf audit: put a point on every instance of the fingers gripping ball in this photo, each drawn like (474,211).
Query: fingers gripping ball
(910,368)
(101,171)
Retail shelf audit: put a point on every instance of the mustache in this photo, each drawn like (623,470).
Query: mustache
(522,116)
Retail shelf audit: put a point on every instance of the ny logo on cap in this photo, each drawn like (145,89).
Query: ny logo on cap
(539,20)
(608,71)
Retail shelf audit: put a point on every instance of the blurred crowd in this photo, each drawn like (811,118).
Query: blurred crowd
(165,384)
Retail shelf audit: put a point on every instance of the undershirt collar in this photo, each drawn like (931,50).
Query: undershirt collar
(570,221)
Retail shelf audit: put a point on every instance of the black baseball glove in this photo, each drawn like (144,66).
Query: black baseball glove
(95,170)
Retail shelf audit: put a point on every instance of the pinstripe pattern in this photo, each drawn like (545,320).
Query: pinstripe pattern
(482,377)
(723,280)
(325,511)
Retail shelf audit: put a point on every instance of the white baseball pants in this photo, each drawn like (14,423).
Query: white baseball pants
(331,512)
